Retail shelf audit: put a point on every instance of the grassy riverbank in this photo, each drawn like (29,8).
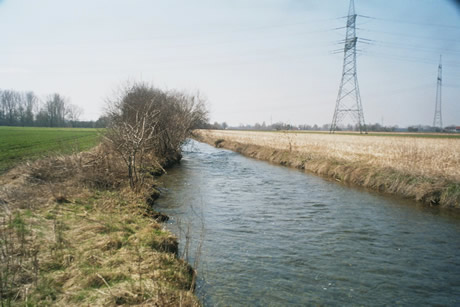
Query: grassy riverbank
(424,169)
(72,232)
(79,229)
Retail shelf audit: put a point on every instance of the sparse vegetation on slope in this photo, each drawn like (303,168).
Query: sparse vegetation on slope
(64,241)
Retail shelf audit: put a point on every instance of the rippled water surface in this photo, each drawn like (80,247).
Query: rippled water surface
(276,236)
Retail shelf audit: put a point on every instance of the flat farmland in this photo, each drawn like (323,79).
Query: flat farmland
(18,144)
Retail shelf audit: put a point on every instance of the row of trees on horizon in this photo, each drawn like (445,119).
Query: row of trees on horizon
(326,127)
(284,126)
(27,109)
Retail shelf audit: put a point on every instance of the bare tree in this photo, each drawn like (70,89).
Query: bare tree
(18,108)
(148,126)
(10,101)
(133,121)
(73,113)
(30,105)
(54,112)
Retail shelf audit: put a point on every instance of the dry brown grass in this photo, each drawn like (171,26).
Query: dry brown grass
(73,233)
(425,169)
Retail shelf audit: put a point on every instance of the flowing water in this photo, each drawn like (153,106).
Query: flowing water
(267,235)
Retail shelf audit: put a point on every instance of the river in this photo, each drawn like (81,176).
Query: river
(266,235)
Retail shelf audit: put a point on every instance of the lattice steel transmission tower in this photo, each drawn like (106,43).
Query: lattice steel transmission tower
(437,121)
(349,100)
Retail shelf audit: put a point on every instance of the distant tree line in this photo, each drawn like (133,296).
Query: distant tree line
(426,128)
(326,127)
(27,109)
(215,126)
(285,126)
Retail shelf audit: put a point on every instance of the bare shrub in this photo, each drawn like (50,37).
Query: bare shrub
(132,138)
(148,127)
(180,114)
(102,168)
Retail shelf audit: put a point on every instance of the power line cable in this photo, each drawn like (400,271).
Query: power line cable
(412,47)
(410,59)
(185,45)
(412,22)
(412,36)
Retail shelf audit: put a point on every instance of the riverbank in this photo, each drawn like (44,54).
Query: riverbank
(421,169)
(72,232)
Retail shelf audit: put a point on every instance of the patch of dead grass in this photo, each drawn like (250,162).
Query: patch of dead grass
(80,239)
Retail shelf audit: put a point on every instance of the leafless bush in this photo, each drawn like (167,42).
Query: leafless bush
(180,114)
(102,168)
(132,138)
(99,168)
(148,127)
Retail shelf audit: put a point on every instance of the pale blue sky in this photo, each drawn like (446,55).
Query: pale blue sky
(254,60)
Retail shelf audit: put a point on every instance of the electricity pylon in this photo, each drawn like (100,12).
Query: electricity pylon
(437,121)
(349,100)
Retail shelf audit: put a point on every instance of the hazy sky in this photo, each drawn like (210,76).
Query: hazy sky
(254,60)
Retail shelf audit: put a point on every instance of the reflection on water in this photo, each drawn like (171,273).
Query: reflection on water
(277,236)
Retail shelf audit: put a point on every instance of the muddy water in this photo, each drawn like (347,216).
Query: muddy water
(275,236)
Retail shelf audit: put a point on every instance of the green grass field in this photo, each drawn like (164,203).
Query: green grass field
(18,144)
